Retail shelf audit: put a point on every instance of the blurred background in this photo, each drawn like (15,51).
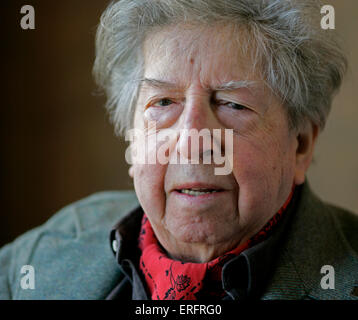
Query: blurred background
(57,144)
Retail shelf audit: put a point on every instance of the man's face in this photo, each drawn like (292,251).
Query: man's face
(186,91)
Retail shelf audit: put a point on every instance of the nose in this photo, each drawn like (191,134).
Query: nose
(195,141)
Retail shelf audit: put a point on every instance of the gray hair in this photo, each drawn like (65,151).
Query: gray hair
(299,61)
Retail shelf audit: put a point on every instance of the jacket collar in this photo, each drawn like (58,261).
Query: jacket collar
(124,244)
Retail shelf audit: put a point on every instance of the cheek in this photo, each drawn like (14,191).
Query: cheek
(263,168)
(149,186)
(163,117)
(254,157)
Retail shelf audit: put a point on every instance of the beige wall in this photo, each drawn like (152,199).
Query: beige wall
(334,174)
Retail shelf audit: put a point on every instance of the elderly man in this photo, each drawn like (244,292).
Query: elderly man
(242,86)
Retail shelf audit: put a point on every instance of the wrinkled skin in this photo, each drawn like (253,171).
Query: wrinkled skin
(268,156)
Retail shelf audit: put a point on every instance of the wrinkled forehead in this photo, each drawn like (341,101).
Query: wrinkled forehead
(214,54)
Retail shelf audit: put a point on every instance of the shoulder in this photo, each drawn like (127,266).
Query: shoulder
(330,220)
(99,210)
(321,217)
(319,235)
(72,243)
(346,223)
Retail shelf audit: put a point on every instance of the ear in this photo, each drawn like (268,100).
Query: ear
(131,171)
(306,139)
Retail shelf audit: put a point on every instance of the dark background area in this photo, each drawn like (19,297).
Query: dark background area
(57,144)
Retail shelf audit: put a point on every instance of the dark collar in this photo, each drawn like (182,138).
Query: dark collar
(244,277)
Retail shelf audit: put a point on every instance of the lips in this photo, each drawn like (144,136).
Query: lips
(197,189)
(197,192)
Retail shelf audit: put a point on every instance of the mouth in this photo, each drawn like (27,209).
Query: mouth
(197,191)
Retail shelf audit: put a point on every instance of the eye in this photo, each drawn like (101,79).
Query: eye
(231,105)
(235,106)
(163,102)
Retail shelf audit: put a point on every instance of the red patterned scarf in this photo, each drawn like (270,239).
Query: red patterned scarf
(169,279)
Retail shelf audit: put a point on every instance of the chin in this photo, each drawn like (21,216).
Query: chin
(208,232)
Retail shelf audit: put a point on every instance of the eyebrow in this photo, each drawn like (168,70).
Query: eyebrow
(155,83)
(235,84)
(226,86)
